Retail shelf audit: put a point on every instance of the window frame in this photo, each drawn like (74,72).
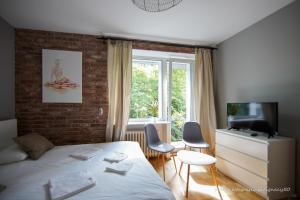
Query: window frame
(190,93)
(165,84)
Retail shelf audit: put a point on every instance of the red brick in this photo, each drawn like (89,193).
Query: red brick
(56,120)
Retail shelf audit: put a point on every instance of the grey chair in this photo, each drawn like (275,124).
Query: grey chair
(154,143)
(192,136)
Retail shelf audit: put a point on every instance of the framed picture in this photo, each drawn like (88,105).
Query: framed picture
(62,76)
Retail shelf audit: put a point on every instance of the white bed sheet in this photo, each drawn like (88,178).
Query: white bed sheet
(27,179)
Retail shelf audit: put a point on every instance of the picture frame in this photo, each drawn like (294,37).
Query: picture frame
(62,76)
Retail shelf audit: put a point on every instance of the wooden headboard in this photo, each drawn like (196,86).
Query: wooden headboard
(8,130)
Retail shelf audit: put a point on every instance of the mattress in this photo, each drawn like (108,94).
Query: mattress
(27,179)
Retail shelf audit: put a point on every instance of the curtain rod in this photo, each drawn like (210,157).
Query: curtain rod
(148,41)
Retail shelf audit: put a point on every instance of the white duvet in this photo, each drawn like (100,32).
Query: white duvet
(28,179)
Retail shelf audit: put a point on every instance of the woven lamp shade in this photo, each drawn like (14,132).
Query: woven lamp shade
(155,5)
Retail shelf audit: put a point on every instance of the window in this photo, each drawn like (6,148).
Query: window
(161,89)
(145,89)
(180,97)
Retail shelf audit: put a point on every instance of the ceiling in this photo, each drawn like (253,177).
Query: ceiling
(201,22)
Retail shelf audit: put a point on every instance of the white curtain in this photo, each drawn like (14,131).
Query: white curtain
(204,105)
(119,61)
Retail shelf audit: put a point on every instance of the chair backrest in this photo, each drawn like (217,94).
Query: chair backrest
(151,135)
(192,132)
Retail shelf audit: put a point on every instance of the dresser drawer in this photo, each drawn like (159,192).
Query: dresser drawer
(245,161)
(257,183)
(252,148)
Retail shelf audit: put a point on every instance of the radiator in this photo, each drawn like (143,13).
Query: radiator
(139,136)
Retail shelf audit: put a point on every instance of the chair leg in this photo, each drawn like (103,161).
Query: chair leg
(187,182)
(147,154)
(163,158)
(180,167)
(174,163)
(207,150)
(215,180)
(157,159)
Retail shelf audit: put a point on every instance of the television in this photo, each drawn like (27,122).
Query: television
(253,116)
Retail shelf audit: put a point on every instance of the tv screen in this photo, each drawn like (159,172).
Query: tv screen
(261,117)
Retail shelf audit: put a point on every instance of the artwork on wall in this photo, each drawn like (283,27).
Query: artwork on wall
(62,76)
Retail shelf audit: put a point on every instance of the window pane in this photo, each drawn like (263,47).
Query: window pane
(178,99)
(144,94)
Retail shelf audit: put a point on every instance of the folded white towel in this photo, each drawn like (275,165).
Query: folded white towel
(115,157)
(62,187)
(120,168)
(85,154)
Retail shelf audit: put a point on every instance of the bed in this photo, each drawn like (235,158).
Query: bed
(27,179)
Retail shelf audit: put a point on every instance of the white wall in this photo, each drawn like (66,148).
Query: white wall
(262,63)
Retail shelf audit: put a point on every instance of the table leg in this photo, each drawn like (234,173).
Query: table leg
(187,182)
(215,180)
(174,163)
(180,167)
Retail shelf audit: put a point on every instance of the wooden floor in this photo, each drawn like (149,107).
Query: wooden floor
(201,183)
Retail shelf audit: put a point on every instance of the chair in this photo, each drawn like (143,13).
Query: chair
(154,143)
(192,136)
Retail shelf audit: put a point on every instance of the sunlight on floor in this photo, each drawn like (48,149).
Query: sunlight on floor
(209,190)
(201,185)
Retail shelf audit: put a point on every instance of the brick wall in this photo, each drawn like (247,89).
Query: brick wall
(66,123)
(62,123)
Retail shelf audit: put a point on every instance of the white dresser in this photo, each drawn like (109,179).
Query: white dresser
(261,164)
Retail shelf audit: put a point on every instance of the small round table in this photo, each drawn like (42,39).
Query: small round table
(199,159)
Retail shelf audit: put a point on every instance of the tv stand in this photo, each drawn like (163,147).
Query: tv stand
(265,165)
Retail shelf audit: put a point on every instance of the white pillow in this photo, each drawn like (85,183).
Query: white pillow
(12,154)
